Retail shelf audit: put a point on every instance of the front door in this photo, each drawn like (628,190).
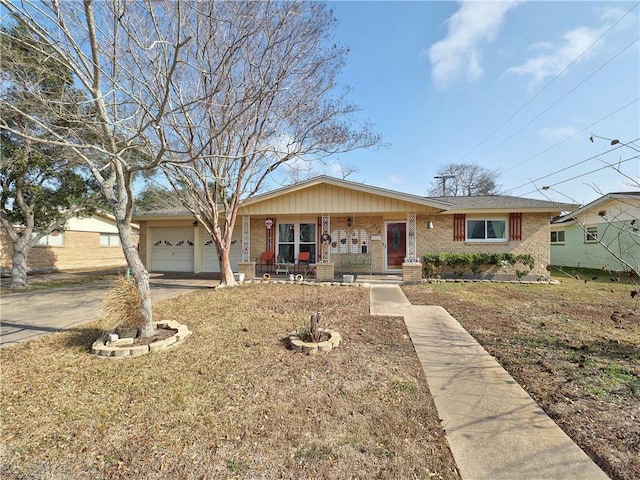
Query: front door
(396,245)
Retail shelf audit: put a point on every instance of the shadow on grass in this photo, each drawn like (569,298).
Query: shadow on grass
(83,337)
(611,350)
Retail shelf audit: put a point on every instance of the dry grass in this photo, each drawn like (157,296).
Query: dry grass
(232,402)
(121,305)
(565,345)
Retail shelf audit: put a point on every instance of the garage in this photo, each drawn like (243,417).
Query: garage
(210,261)
(172,249)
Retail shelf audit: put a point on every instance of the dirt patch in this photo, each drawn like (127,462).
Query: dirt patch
(567,348)
(232,402)
(158,335)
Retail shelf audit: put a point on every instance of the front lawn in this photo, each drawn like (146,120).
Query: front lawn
(232,402)
(572,346)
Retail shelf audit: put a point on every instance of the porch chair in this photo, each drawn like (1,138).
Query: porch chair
(304,259)
(265,259)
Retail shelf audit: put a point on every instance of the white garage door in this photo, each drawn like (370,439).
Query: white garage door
(172,249)
(210,261)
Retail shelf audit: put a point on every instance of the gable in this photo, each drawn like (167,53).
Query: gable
(615,207)
(334,199)
(95,223)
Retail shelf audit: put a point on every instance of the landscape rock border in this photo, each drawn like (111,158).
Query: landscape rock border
(333,283)
(311,348)
(110,346)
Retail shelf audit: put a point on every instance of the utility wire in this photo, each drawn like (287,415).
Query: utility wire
(572,136)
(574,165)
(584,174)
(558,100)
(547,85)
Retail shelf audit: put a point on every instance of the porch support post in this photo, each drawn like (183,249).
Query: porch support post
(326,229)
(411,268)
(324,267)
(412,254)
(246,241)
(246,266)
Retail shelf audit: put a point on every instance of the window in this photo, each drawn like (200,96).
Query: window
(109,240)
(487,230)
(290,244)
(557,237)
(591,234)
(307,239)
(54,239)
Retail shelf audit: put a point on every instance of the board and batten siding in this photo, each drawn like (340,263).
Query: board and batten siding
(329,198)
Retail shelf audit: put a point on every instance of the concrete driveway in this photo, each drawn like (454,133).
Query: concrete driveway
(25,315)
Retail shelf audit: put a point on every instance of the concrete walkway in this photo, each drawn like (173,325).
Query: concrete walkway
(494,428)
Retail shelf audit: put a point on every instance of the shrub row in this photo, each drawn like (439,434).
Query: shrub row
(461,263)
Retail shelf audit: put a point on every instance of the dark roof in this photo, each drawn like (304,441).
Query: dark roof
(165,212)
(499,202)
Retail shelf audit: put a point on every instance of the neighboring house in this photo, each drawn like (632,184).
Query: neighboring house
(603,234)
(85,243)
(344,225)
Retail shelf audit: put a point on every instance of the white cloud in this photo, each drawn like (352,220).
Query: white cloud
(459,54)
(557,56)
(559,133)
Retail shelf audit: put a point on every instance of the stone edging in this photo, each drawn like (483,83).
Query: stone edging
(483,280)
(110,346)
(304,282)
(311,348)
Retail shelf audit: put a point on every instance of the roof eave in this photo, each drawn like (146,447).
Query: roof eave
(501,210)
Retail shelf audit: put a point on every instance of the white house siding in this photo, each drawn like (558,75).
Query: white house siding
(172,249)
(210,261)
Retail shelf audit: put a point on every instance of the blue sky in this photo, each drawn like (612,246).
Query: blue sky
(502,84)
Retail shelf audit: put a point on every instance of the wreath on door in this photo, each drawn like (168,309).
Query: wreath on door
(325,238)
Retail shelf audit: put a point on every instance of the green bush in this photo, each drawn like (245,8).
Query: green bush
(460,262)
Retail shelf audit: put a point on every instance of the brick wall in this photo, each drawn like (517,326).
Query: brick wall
(535,234)
(258,236)
(5,250)
(81,250)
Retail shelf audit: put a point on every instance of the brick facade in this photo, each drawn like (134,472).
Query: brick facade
(81,250)
(535,240)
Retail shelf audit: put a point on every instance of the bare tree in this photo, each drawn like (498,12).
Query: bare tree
(302,171)
(464,180)
(268,73)
(40,186)
(123,58)
(618,233)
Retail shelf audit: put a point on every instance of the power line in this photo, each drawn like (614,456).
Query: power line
(574,165)
(548,84)
(583,174)
(572,136)
(558,100)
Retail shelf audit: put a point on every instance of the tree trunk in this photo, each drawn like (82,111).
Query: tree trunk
(140,276)
(226,272)
(19,265)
